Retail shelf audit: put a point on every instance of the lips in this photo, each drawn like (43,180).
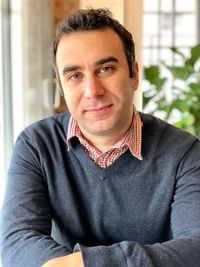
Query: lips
(100,108)
(99,111)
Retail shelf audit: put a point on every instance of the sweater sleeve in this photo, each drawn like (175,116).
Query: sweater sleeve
(26,216)
(183,249)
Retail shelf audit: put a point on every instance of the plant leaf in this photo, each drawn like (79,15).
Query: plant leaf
(195,55)
(152,74)
(182,73)
(176,51)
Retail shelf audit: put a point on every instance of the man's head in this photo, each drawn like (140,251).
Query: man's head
(96,74)
(95,19)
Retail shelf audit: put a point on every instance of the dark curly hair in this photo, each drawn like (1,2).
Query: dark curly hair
(94,19)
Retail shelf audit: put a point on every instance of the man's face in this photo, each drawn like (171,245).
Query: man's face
(94,75)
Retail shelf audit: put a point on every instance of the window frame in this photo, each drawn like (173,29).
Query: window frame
(157,45)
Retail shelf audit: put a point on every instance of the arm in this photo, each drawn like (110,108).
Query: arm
(26,214)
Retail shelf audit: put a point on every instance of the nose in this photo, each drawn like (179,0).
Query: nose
(93,87)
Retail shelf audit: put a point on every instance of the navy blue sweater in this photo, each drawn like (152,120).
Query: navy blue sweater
(133,213)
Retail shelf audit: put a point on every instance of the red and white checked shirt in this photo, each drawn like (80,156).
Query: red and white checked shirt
(132,141)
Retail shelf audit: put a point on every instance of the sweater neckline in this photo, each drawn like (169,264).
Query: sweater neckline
(96,170)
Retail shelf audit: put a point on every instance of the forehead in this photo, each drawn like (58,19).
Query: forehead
(88,44)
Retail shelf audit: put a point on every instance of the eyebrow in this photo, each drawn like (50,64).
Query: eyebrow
(106,59)
(69,68)
(98,62)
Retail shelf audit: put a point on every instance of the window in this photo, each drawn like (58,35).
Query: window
(171,23)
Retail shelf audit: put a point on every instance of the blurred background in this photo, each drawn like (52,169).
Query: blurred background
(167,37)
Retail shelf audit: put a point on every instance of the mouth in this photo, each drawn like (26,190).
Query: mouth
(98,108)
(101,110)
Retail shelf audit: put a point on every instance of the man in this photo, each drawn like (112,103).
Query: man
(103,185)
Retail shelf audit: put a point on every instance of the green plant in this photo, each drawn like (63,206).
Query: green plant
(182,107)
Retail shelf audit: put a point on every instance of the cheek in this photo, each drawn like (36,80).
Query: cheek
(125,90)
(72,99)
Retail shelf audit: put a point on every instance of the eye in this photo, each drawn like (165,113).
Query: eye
(105,69)
(75,76)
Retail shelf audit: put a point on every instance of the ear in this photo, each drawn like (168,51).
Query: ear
(135,76)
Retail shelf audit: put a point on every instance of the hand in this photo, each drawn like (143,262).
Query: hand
(71,260)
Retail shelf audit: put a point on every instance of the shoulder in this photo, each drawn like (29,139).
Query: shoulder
(42,139)
(46,130)
(49,124)
(164,136)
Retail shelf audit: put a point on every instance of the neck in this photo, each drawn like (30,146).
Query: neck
(103,142)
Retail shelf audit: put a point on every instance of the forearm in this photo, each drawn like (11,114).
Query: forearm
(174,253)
(30,250)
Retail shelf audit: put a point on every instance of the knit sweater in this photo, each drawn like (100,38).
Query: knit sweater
(132,213)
